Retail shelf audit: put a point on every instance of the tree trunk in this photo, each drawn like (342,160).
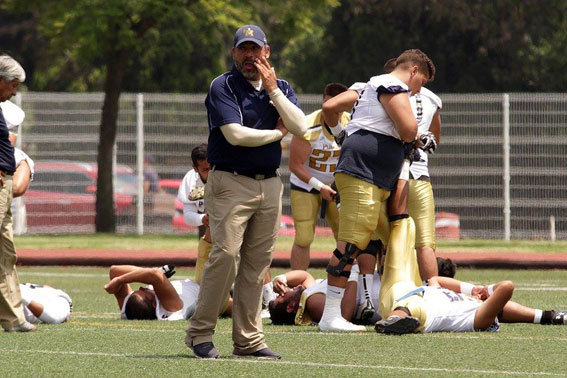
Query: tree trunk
(116,65)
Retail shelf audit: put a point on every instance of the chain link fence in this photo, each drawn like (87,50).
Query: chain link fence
(499,166)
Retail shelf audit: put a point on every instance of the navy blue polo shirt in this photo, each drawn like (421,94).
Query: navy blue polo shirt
(232,99)
(7,160)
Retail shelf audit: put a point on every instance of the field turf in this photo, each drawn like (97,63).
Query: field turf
(95,343)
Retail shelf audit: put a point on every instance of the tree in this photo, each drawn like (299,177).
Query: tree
(157,45)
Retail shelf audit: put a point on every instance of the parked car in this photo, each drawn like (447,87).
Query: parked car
(62,196)
(179,225)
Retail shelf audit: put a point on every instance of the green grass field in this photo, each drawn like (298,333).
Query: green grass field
(284,243)
(95,343)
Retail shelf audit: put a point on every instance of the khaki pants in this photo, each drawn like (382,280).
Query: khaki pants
(244,218)
(11,310)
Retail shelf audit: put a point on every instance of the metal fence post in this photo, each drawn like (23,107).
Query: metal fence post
(506,154)
(140,162)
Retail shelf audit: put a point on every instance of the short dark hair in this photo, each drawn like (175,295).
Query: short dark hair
(138,308)
(418,58)
(199,153)
(333,89)
(279,314)
(390,65)
(446,267)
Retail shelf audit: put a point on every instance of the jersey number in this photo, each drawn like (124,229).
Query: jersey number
(318,160)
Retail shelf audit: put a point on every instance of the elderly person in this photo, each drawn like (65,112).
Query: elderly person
(11,309)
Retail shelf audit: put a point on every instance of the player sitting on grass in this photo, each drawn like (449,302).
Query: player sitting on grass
(301,298)
(162,299)
(44,304)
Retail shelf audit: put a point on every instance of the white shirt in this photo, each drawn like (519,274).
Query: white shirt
(368,113)
(193,204)
(448,311)
(324,155)
(429,103)
(188,292)
(19,156)
(57,305)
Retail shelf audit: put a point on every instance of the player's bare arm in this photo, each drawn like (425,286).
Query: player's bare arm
(399,110)
(151,276)
(335,106)
(293,278)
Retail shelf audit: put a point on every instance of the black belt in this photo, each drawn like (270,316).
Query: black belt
(252,174)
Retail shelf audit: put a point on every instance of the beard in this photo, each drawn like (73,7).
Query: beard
(248,75)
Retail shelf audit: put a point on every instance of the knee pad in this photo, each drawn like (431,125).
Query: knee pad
(374,248)
(338,270)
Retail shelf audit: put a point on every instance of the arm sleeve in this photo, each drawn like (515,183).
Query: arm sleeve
(191,216)
(237,135)
(293,117)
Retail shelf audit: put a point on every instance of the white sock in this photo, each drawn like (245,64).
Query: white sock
(336,130)
(332,307)
(537,317)
(268,294)
(367,282)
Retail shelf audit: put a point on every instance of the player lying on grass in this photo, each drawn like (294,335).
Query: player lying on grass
(301,298)
(44,304)
(162,299)
(442,305)
(449,305)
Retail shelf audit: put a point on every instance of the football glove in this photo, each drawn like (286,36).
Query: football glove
(411,153)
(168,270)
(428,141)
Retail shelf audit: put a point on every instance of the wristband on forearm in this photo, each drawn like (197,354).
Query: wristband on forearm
(467,288)
(315,183)
(336,130)
(282,278)
(490,289)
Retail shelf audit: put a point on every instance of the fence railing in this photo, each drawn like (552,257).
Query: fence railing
(500,164)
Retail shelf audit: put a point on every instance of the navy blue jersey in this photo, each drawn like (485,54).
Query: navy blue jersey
(7,161)
(232,99)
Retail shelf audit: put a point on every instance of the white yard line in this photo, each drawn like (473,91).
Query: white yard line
(291,363)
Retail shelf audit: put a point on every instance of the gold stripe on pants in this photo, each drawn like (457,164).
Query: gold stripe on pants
(244,218)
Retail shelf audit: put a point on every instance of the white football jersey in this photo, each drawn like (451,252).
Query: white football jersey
(20,155)
(324,155)
(188,292)
(191,191)
(368,113)
(56,303)
(448,311)
(424,105)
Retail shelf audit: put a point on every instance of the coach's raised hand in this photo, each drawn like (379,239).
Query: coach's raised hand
(268,74)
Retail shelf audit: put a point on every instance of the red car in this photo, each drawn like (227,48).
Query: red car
(62,195)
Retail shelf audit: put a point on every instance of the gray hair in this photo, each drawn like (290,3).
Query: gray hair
(11,70)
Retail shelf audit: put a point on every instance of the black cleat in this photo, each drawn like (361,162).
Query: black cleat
(395,325)
(365,312)
(558,317)
(205,350)
(264,354)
